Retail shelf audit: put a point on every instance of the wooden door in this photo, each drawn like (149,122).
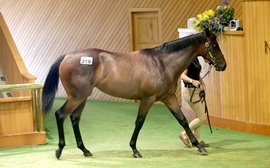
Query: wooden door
(144,28)
(257,32)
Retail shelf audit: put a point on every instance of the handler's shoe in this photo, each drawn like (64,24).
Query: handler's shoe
(204,144)
(185,141)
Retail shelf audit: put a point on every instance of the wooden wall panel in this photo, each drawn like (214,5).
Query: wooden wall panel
(257,23)
(226,90)
(16,111)
(45,29)
(235,97)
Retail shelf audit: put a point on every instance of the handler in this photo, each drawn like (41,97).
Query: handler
(193,86)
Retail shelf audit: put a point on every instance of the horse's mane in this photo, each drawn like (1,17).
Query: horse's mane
(176,45)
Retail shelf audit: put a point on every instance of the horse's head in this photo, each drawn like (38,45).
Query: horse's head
(212,52)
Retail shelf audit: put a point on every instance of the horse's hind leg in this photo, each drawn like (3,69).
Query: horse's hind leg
(173,106)
(60,118)
(60,115)
(75,119)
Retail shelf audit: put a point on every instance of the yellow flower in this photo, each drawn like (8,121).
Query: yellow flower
(217,20)
(211,13)
(206,15)
(196,25)
(199,16)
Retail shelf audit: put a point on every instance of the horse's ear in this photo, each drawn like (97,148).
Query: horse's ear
(207,33)
(210,34)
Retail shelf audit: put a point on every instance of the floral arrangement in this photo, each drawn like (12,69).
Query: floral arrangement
(215,20)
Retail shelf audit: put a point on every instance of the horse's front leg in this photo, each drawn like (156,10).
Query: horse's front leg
(172,104)
(143,110)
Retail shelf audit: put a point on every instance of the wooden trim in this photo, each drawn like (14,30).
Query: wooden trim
(253,0)
(15,58)
(228,32)
(130,31)
(28,76)
(10,40)
(243,126)
(11,141)
(24,86)
(15,99)
(144,10)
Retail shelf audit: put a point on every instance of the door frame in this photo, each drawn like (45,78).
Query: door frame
(137,10)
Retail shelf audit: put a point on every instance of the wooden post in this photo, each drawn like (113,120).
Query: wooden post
(40,115)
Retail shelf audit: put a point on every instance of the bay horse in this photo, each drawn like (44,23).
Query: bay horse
(148,75)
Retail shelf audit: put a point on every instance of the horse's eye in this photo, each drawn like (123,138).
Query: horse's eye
(214,45)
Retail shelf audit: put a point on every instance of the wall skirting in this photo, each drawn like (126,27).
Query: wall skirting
(243,126)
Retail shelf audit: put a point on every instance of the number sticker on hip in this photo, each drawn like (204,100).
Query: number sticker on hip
(86,60)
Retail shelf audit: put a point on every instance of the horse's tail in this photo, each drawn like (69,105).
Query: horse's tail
(51,86)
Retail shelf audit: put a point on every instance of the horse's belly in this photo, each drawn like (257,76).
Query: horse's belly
(133,90)
(119,90)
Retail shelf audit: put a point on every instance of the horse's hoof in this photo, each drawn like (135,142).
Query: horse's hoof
(202,151)
(137,155)
(58,153)
(87,154)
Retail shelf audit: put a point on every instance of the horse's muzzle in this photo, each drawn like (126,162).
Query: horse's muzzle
(221,67)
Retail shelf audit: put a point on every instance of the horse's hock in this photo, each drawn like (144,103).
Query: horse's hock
(21,119)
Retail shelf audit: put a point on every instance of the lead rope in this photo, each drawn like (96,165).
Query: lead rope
(192,94)
(202,99)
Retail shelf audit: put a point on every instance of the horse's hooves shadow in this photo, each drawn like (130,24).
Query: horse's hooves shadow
(236,146)
(146,154)
(228,142)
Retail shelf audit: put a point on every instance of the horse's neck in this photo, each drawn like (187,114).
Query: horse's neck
(177,62)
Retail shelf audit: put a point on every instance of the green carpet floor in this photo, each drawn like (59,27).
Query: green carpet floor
(106,128)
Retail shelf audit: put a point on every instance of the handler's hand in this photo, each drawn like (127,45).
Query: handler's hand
(196,83)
